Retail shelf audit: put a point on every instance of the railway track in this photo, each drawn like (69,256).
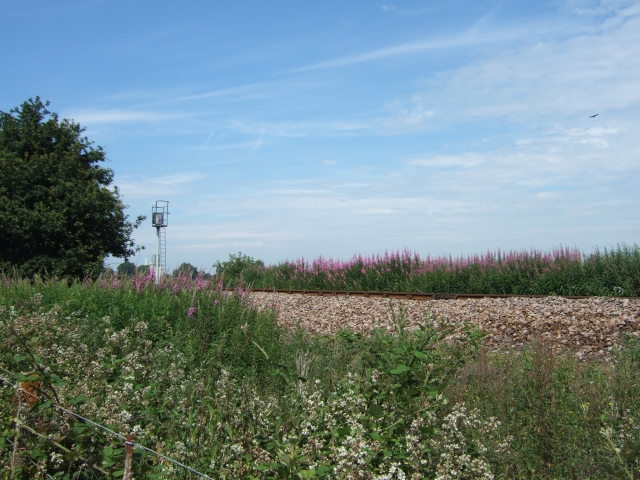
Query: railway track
(586,326)
(412,295)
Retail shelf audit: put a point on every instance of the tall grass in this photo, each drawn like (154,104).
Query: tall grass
(566,418)
(199,375)
(563,271)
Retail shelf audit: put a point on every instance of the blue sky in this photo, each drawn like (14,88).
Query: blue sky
(287,129)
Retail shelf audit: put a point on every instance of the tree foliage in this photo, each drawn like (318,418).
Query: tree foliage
(57,215)
(239,266)
(127,268)
(187,270)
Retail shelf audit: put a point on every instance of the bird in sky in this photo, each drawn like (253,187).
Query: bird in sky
(593,116)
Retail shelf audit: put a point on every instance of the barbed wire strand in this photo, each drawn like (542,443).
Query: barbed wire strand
(31,460)
(135,445)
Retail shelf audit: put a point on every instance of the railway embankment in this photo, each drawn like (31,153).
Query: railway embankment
(587,327)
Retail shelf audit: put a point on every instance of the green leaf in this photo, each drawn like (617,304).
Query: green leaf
(343,431)
(612,471)
(79,399)
(324,470)
(307,473)
(426,430)
(632,454)
(429,391)
(420,355)
(375,411)
(400,369)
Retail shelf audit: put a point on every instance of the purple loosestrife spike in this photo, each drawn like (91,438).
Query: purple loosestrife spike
(191,311)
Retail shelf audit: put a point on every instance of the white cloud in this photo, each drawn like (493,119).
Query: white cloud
(465,39)
(295,129)
(296,191)
(535,171)
(97,117)
(478,34)
(447,161)
(596,72)
(245,92)
(152,187)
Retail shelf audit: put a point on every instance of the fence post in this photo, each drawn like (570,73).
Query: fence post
(15,457)
(128,457)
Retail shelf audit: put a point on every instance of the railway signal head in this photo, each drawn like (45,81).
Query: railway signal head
(160,214)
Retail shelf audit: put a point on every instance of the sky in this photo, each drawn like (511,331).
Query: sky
(289,129)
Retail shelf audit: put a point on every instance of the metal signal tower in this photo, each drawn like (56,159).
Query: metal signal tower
(160,219)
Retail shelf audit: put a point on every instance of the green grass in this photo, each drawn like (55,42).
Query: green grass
(229,392)
(557,410)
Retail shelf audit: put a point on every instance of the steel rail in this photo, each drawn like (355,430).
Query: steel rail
(414,295)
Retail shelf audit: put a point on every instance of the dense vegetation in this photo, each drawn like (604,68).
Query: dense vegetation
(202,377)
(59,214)
(614,272)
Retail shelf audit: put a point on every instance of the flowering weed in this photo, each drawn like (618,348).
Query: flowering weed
(232,394)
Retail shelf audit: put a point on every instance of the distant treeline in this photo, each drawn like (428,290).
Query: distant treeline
(562,271)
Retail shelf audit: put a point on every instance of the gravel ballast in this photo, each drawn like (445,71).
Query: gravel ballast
(588,327)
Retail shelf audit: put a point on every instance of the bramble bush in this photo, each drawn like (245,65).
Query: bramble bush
(199,375)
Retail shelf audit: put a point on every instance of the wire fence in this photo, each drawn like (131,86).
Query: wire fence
(127,441)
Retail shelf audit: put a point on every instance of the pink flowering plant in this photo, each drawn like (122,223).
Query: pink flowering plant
(562,271)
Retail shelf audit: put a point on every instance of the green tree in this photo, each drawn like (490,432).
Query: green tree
(127,268)
(57,214)
(238,266)
(186,269)
(144,269)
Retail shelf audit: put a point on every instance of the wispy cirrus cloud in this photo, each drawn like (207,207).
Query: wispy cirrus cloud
(594,72)
(465,160)
(248,91)
(115,116)
(302,128)
(477,35)
(180,183)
